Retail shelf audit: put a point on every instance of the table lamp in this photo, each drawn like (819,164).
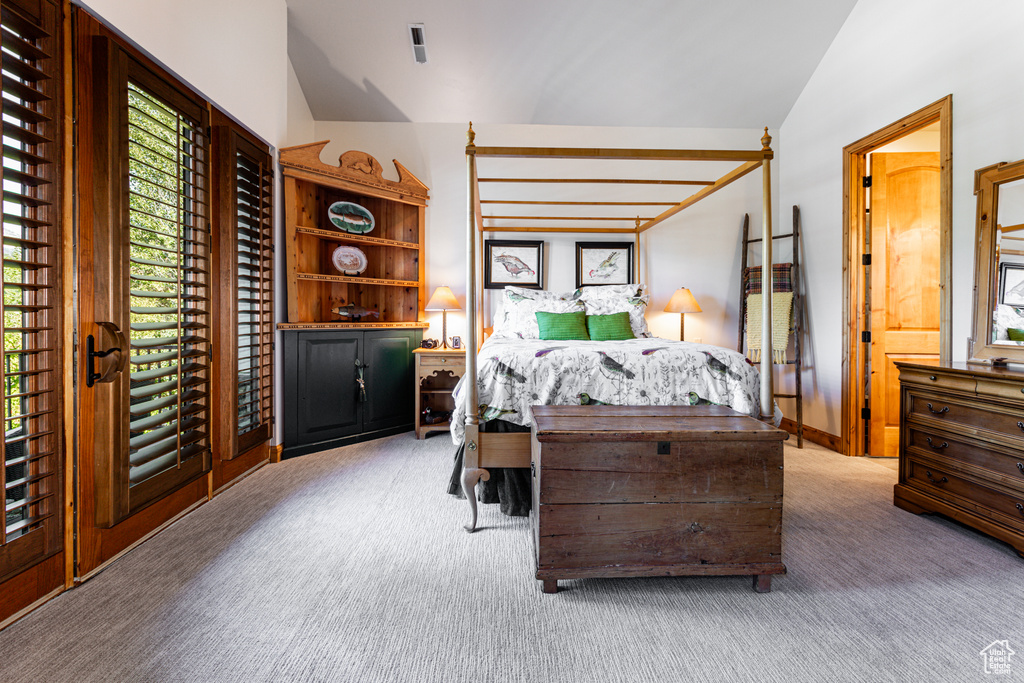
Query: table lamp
(682,302)
(443,300)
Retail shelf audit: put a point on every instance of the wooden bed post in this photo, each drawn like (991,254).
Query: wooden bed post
(471,470)
(636,253)
(767,360)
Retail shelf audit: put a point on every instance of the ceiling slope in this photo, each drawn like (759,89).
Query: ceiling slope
(675,63)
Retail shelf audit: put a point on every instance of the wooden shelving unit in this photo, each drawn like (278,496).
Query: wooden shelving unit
(393,283)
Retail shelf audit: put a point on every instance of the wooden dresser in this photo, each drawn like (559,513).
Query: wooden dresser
(962,446)
(655,491)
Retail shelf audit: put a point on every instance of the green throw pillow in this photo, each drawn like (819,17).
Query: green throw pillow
(1014,334)
(613,327)
(562,325)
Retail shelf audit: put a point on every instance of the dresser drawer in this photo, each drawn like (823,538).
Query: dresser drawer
(960,490)
(1001,389)
(934,378)
(959,453)
(1004,421)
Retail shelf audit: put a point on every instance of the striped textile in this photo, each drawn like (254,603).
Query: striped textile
(782,279)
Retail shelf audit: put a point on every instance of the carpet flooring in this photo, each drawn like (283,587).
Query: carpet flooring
(351,565)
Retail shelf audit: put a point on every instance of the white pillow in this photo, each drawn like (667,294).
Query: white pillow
(608,299)
(517,318)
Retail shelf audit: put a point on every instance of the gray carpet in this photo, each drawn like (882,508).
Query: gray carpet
(350,565)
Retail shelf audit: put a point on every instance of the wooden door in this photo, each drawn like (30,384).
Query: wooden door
(144,255)
(904,281)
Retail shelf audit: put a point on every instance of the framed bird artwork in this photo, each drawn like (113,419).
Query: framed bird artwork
(604,263)
(513,262)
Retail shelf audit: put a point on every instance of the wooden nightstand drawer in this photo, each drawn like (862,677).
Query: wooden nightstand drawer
(443,361)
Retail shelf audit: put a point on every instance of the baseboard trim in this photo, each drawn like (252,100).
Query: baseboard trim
(136,544)
(35,605)
(241,476)
(304,449)
(815,436)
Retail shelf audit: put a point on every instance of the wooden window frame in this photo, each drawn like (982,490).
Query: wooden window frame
(230,140)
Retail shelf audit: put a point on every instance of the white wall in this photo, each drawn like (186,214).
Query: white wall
(889,60)
(299,124)
(235,52)
(699,248)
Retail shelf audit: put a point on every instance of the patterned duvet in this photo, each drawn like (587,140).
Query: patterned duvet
(514,374)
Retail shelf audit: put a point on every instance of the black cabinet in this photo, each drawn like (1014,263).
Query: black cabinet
(326,406)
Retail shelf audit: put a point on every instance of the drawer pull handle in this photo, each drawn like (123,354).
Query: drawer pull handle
(934,447)
(945,409)
(931,377)
(1021,425)
(1020,508)
(934,480)
(1020,466)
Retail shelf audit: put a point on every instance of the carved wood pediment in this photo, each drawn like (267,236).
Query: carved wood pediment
(355,167)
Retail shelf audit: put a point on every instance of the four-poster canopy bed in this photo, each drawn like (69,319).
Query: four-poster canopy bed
(484,451)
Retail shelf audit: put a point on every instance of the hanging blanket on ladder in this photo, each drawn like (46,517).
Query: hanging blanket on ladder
(782,310)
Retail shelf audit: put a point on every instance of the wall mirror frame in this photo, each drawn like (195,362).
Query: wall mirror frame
(983,348)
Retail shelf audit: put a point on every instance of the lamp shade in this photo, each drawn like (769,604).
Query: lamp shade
(682,302)
(442,300)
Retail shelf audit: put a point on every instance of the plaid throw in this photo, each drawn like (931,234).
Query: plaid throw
(782,279)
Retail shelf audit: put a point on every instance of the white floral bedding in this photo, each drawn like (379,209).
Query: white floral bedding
(514,374)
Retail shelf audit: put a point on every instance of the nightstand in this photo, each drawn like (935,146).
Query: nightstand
(437,373)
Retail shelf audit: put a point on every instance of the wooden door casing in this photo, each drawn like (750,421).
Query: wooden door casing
(905,292)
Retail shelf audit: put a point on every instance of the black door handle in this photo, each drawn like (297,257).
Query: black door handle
(91,354)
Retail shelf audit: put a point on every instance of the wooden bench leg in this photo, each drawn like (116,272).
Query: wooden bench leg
(550,585)
(763,583)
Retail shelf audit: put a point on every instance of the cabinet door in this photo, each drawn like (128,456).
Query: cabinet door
(324,402)
(389,374)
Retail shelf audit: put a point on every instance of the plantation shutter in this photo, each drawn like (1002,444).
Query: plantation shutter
(32,444)
(245,234)
(255,188)
(169,287)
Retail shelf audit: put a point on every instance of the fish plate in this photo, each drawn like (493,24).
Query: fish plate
(351,217)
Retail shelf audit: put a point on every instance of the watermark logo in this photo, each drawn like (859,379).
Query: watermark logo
(996,657)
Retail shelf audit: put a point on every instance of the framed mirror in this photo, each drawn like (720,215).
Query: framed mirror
(999,264)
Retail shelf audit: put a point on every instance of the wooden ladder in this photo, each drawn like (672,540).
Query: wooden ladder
(795,325)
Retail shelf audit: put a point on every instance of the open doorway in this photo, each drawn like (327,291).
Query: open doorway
(897,239)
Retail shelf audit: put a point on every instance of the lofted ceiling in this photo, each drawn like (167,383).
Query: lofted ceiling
(674,63)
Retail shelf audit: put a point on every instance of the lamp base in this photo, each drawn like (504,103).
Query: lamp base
(444,331)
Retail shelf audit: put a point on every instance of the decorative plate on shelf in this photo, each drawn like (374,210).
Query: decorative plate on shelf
(349,260)
(351,217)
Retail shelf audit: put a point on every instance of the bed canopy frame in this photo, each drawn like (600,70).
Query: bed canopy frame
(494,450)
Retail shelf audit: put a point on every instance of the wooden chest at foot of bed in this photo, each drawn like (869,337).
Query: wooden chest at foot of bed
(655,491)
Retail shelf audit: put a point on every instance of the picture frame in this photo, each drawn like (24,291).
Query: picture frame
(604,263)
(1011,284)
(513,262)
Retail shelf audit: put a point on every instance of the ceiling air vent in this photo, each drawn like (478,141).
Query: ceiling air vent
(419,43)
